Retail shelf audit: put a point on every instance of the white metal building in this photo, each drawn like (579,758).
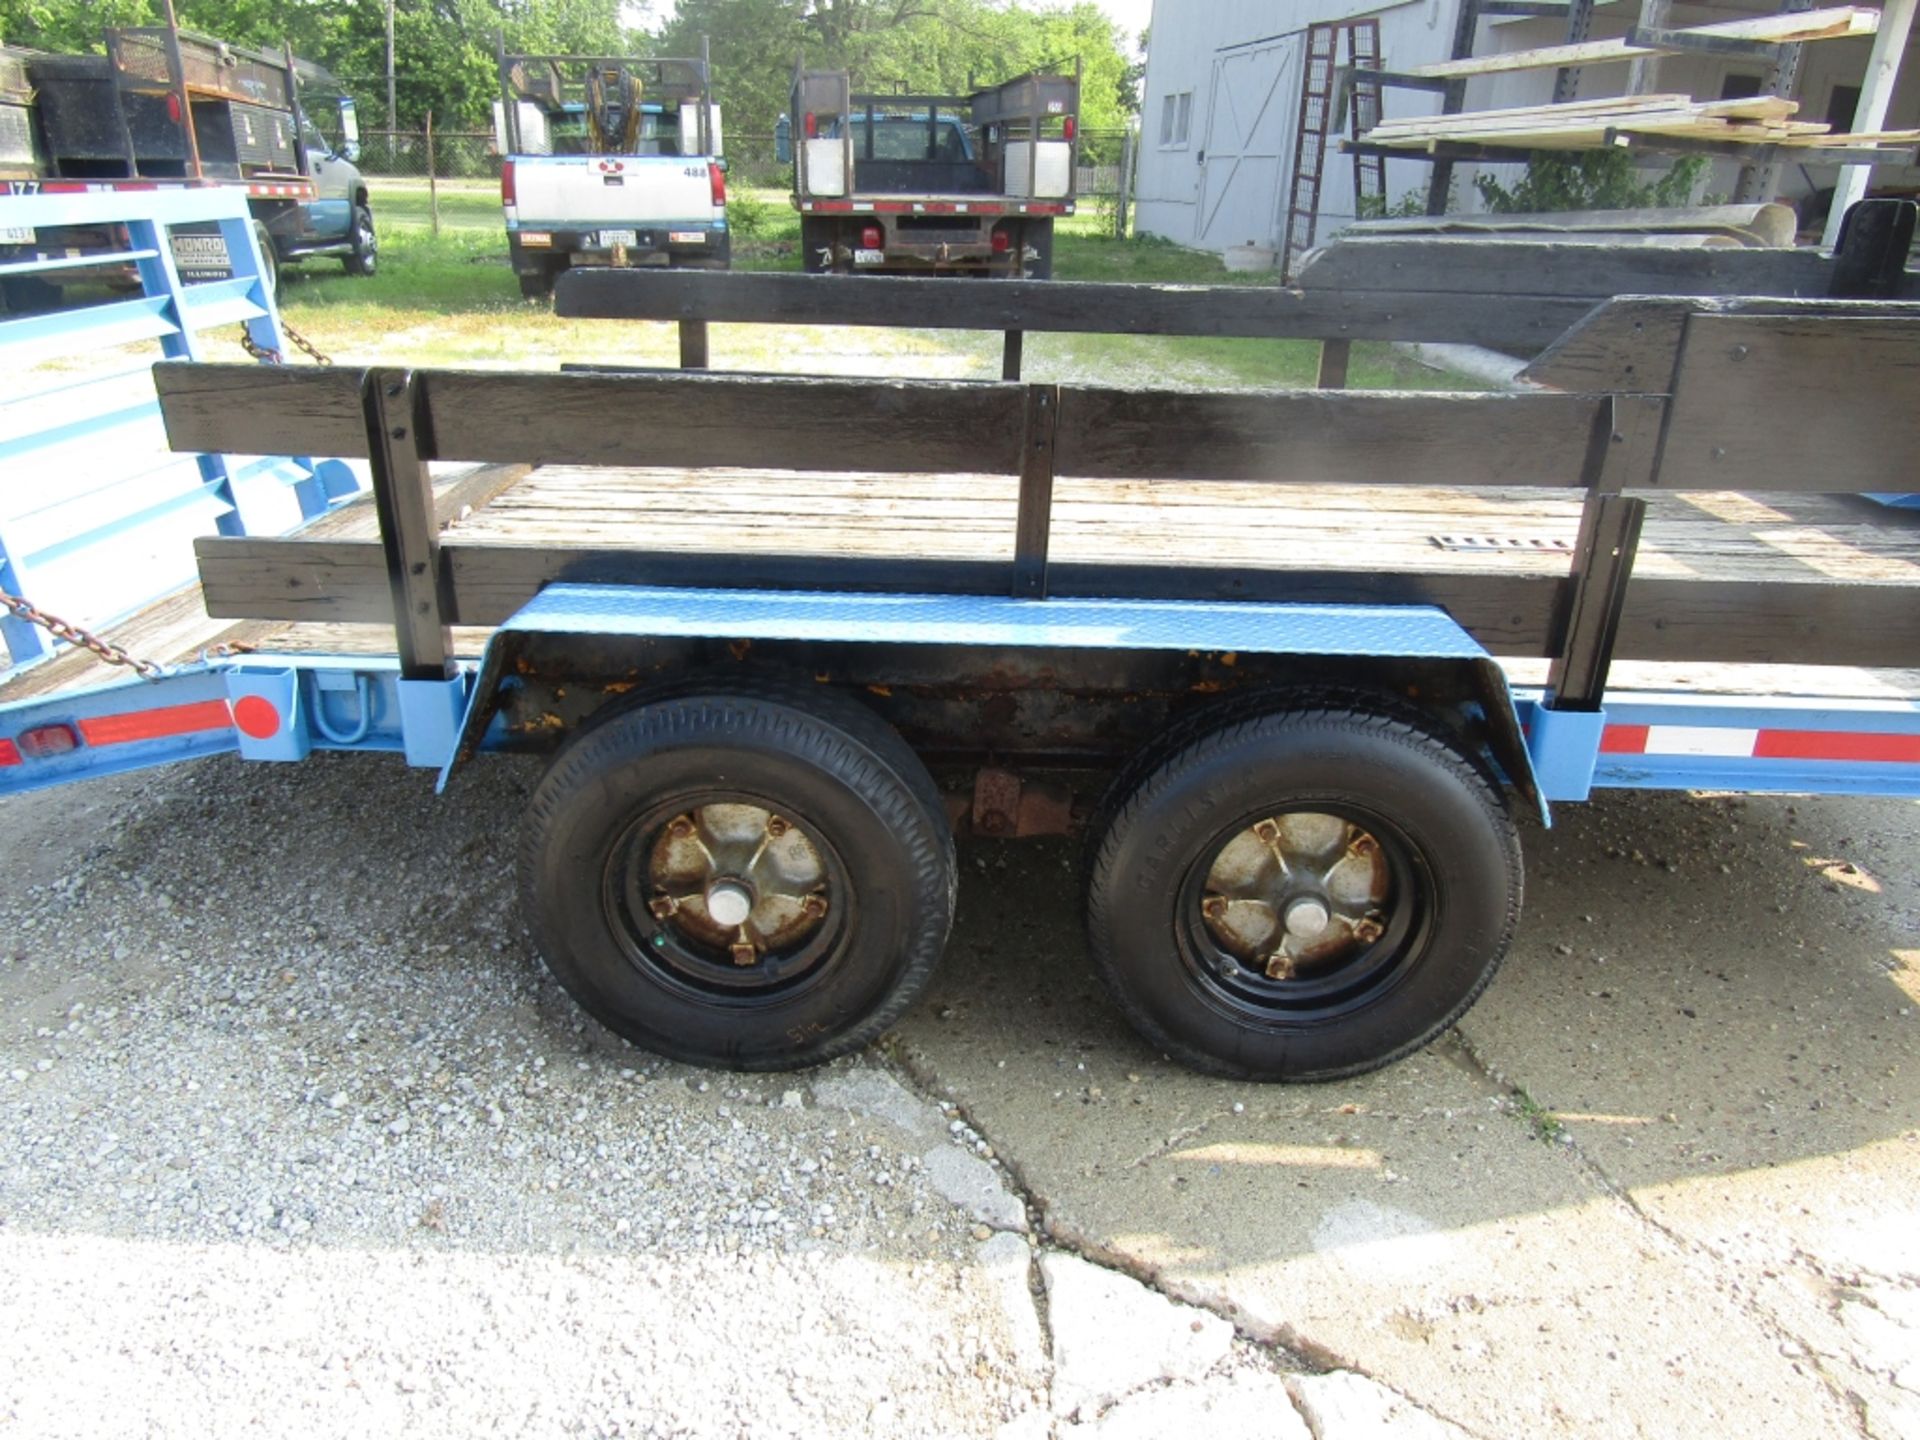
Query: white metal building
(1222,104)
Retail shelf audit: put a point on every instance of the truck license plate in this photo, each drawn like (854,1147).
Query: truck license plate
(611,238)
(16,235)
(869,257)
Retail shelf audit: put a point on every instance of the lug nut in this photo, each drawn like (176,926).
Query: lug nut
(680,827)
(815,906)
(663,906)
(1364,845)
(744,953)
(1368,931)
(776,827)
(1266,830)
(1279,966)
(1214,907)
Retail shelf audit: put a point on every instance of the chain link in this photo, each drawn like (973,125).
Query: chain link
(76,635)
(274,357)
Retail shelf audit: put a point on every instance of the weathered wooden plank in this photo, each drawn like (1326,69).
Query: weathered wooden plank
(1326,437)
(1808,623)
(262,409)
(1835,23)
(1785,402)
(1568,269)
(707,420)
(1622,345)
(1253,312)
(403,496)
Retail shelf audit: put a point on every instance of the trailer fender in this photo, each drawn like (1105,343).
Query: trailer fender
(1395,638)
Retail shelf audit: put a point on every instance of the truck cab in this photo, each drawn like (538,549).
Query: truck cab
(933,184)
(610,162)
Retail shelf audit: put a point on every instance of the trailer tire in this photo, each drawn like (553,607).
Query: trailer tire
(1393,853)
(723,798)
(364,258)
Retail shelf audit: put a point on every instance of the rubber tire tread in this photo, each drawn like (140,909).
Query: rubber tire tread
(1184,744)
(846,740)
(355,262)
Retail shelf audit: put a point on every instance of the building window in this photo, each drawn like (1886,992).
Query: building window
(1176,114)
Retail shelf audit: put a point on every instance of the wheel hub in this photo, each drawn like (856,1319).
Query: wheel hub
(737,879)
(1297,894)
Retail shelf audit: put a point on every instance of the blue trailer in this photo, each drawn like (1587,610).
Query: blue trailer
(1297,663)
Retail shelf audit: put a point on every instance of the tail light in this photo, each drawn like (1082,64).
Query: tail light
(1002,241)
(717,178)
(872,237)
(43,742)
(1071,128)
(506,182)
(812,126)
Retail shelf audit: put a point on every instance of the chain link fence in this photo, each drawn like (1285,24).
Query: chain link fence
(752,160)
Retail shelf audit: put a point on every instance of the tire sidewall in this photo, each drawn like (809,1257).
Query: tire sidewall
(1442,813)
(365,258)
(896,915)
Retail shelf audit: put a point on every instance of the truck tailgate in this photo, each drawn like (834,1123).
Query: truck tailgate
(611,189)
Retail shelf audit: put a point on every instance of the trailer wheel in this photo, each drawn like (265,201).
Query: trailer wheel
(364,258)
(732,879)
(1305,894)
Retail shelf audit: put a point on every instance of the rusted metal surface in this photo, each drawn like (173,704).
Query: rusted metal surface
(1014,807)
(1297,893)
(737,879)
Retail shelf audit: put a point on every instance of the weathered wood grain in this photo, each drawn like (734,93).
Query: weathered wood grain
(1800,403)
(263,409)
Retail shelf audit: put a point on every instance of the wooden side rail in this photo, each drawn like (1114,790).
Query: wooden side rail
(1796,403)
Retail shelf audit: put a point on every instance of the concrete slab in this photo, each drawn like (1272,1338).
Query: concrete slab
(1428,1226)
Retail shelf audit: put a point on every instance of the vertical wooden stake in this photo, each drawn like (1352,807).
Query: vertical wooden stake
(433,183)
(1334,356)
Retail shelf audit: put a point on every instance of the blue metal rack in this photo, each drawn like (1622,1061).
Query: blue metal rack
(97,515)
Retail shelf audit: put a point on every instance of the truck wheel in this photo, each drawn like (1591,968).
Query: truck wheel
(1039,239)
(1304,894)
(816,245)
(365,255)
(732,879)
(538,284)
(269,259)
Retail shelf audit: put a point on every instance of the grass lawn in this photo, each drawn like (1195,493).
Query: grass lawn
(452,300)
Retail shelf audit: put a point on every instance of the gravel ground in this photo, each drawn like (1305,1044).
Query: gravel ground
(301,1141)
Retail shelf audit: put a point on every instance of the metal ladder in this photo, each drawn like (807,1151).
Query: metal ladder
(1319,86)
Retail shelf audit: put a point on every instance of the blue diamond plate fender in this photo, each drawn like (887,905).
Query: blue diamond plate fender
(1382,632)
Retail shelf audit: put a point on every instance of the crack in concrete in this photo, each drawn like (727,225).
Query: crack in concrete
(1693,1253)
(1283,1346)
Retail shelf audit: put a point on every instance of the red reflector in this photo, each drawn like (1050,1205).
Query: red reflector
(1071,128)
(9,753)
(872,237)
(1002,241)
(256,717)
(718,179)
(812,126)
(1835,745)
(43,742)
(506,182)
(158,723)
(1624,740)
(173,108)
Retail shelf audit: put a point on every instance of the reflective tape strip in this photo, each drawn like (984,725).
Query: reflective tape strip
(1758,744)
(157,724)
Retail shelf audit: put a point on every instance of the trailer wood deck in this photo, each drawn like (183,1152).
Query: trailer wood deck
(1523,533)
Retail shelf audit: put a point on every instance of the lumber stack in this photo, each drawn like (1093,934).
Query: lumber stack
(1591,124)
(1836,23)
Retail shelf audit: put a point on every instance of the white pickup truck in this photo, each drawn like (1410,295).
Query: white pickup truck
(609,162)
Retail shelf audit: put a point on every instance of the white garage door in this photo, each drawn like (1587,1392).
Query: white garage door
(1248,145)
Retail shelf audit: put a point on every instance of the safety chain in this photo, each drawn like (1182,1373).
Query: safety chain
(74,634)
(274,357)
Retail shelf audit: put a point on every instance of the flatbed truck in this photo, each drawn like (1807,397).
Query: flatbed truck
(1312,655)
(933,184)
